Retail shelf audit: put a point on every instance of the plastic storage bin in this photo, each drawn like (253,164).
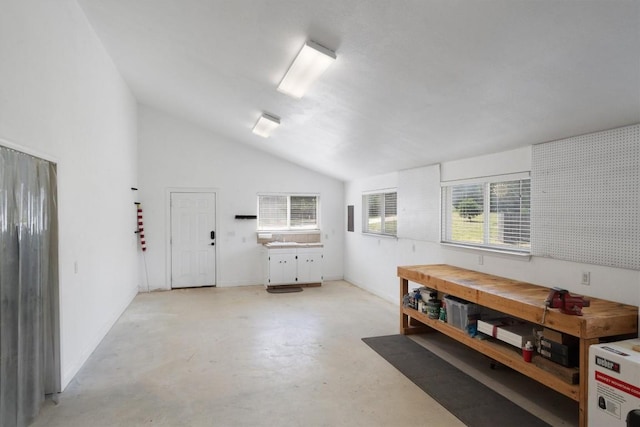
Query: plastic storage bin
(462,314)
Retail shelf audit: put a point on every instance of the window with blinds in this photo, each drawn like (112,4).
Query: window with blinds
(493,213)
(380,213)
(287,212)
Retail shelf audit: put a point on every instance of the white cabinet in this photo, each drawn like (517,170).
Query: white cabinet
(309,265)
(291,265)
(282,266)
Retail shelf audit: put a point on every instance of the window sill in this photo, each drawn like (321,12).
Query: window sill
(314,231)
(383,236)
(525,256)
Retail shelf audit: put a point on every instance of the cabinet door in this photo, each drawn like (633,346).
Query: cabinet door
(282,268)
(309,266)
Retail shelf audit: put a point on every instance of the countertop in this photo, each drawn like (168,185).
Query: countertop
(286,245)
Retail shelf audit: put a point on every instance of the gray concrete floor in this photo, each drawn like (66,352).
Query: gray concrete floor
(245,357)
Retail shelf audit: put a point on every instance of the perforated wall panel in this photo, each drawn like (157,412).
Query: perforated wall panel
(585,198)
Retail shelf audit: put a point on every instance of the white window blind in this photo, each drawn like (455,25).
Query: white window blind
(380,213)
(272,212)
(287,212)
(493,213)
(304,212)
(510,213)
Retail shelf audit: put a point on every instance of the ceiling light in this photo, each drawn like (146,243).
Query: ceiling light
(310,63)
(265,125)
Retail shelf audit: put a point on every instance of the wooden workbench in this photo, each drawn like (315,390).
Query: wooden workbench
(602,319)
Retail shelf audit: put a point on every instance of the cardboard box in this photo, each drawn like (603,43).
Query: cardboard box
(552,335)
(509,330)
(614,383)
(558,337)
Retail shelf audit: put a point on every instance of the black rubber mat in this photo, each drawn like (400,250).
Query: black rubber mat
(469,400)
(284,290)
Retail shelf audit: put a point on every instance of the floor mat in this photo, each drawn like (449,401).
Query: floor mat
(284,290)
(469,400)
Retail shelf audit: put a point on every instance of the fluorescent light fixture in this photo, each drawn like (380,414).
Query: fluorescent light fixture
(265,125)
(310,63)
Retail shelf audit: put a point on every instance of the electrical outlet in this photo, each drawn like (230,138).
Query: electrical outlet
(586,278)
(480,259)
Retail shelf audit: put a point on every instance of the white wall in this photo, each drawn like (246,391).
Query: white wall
(370,262)
(61,98)
(177,154)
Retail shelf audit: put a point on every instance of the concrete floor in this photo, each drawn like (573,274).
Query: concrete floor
(245,357)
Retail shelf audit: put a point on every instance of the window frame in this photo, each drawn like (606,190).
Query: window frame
(288,227)
(366,197)
(523,245)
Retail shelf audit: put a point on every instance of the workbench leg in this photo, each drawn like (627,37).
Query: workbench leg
(584,379)
(404,319)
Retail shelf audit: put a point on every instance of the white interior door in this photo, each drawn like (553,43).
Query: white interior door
(193,251)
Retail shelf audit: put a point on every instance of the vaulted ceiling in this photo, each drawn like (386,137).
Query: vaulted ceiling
(416,82)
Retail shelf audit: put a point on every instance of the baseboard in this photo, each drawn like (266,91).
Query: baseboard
(332,278)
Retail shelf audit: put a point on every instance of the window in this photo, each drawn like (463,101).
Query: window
(287,212)
(380,213)
(493,213)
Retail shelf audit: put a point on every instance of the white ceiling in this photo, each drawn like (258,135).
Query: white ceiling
(415,82)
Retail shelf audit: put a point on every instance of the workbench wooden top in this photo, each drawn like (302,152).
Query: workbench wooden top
(524,300)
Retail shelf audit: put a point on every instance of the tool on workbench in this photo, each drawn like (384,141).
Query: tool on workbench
(567,303)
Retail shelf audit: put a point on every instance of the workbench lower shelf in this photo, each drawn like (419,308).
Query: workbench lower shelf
(602,320)
(503,353)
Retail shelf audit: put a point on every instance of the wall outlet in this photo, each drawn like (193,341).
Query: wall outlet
(480,259)
(586,278)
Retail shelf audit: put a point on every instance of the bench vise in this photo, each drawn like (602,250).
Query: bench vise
(567,303)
